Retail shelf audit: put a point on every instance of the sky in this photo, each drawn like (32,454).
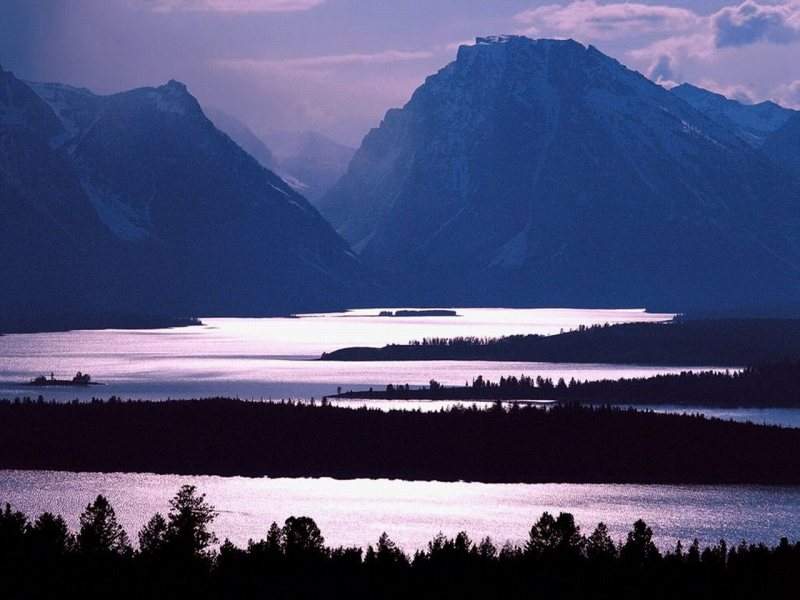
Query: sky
(336,66)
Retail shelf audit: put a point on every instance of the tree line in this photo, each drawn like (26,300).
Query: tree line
(178,556)
(566,443)
(683,341)
(772,385)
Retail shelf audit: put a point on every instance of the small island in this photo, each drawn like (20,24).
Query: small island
(80,379)
(426,312)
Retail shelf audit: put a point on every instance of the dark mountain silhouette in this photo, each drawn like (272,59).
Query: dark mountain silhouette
(546,173)
(136,203)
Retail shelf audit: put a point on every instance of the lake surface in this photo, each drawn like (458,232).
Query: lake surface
(356,512)
(276,358)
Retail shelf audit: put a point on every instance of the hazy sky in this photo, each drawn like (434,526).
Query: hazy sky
(337,65)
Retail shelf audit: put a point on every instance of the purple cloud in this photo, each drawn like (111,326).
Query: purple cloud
(330,60)
(588,19)
(230,6)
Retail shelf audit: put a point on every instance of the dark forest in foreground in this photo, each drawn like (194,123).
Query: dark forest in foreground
(776,385)
(523,444)
(176,558)
(687,342)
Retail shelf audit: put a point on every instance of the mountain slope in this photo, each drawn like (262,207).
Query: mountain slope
(783,146)
(169,214)
(754,122)
(242,135)
(311,161)
(546,173)
(51,240)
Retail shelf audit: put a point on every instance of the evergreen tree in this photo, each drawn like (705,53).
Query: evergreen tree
(100,533)
(152,536)
(188,523)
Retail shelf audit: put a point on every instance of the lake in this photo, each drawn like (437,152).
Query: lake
(276,358)
(356,512)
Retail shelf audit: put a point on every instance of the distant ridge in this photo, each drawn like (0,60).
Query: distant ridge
(754,122)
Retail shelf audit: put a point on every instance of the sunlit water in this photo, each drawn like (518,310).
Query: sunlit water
(276,358)
(355,512)
(273,359)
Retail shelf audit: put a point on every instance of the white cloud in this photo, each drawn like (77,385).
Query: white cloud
(590,20)
(744,50)
(231,6)
(788,94)
(664,59)
(325,61)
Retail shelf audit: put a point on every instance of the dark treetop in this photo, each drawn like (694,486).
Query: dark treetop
(762,386)
(702,342)
(230,437)
(176,558)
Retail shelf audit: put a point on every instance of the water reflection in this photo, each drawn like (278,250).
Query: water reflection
(356,512)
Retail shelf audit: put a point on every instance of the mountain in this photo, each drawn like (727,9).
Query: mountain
(312,162)
(543,172)
(754,122)
(51,239)
(136,203)
(783,146)
(242,135)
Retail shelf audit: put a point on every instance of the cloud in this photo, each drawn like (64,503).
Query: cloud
(230,6)
(751,22)
(788,94)
(661,69)
(325,61)
(587,19)
(663,60)
(742,50)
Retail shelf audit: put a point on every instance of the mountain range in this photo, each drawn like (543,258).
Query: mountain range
(307,160)
(524,173)
(543,172)
(310,160)
(135,203)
